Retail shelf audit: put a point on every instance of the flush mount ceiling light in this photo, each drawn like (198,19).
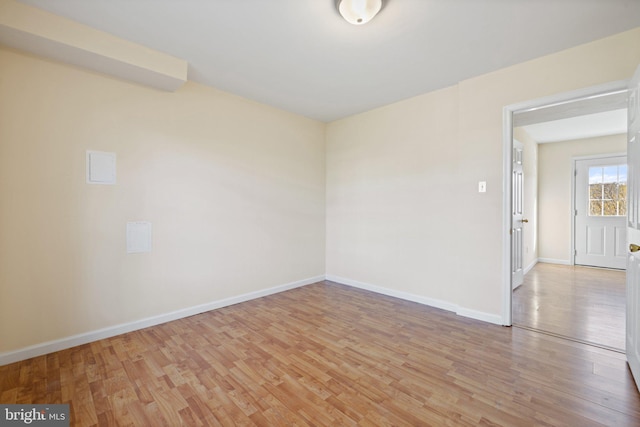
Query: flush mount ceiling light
(358,12)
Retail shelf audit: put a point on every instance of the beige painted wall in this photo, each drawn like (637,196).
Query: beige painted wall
(555,166)
(530,168)
(381,225)
(392,178)
(235,191)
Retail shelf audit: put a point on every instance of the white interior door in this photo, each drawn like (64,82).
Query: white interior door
(517,221)
(633,230)
(601,212)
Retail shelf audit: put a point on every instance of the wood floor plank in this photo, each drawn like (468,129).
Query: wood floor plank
(329,355)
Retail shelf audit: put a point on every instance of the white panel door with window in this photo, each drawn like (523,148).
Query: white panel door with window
(601,209)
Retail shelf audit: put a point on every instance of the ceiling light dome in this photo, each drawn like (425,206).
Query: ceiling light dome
(358,12)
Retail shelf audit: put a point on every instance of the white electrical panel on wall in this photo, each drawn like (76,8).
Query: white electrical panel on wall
(101,167)
(138,237)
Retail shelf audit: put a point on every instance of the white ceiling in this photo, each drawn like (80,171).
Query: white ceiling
(301,56)
(580,127)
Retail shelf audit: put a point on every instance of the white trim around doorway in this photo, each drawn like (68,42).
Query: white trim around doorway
(507,148)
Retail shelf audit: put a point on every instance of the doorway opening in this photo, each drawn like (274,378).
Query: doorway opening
(545,268)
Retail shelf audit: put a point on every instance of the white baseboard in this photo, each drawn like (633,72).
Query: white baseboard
(555,261)
(75,340)
(480,315)
(530,266)
(431,302)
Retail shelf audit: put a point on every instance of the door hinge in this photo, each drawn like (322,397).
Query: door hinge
(575,212)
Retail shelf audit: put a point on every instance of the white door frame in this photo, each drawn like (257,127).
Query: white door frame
(507,150)
(572,254)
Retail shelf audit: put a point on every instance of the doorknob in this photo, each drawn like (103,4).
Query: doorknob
(524,220)
(634,248)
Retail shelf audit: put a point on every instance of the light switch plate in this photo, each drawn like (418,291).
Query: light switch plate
(101,167)
(482,187)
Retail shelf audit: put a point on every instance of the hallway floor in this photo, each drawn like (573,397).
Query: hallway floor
(581,303)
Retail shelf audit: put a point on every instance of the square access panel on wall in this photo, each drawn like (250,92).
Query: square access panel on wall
(138,237)
(101,167)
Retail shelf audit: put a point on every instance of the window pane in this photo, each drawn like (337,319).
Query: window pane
(610,174)
(622,207)
(608,190)
(610,208)
(595,175)
(595,191)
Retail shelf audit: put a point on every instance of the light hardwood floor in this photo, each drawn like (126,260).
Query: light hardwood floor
(330,355)
(587,304)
